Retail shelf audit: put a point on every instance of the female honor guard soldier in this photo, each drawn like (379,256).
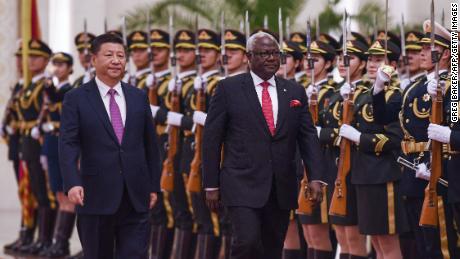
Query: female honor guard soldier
(315,226)
(352,243)
(65,220)
(137,46)
(414,113)
(375,172)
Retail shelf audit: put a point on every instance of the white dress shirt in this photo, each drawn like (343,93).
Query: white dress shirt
(119,98)
(271,91)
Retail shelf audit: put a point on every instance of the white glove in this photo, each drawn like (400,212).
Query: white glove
(383,76)
(404,83)
(422,172)
(318,129)
(47,127)
(154,109)
(350,133)
(35,133)
(9,130)
(172,85)
(199,117)
(311,89)
(439,133)
(149,81)
(174,118)
(345,90)
(198,83)
(432,86)
(86,77)
(2,131)
(44,162)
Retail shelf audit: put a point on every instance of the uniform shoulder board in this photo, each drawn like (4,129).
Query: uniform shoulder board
(444,76)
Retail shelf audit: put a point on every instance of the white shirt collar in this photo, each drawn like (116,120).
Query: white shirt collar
(142,71)
(257,80)
(412,78)
(431,75)
(186,73)
(104,89)
(38,77)
(62,84)
(161,73)
(321,81)
(209,73)
(237,73)
(298,75)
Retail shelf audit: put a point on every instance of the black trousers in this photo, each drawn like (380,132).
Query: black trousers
(259,232)
(124,234)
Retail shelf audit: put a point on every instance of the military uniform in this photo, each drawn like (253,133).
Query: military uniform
(414,118)
(325,91)
(29,109)
(138,40)
(162,217)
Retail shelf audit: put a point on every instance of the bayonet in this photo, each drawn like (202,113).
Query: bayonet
(403,43)
(386,31)
(149,50)
(318,30)
(265,22)
(223,53)
(247,25)
(280,40)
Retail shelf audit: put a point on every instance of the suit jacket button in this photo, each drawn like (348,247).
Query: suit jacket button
(121,172)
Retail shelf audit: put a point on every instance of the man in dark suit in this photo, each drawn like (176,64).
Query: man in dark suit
(109,157)
(259,119)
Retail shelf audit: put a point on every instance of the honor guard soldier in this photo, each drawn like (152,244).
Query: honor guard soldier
(294,58)
(412,72)
(30,111)
(157,83)
(205,85)
(315,226)
(65,219)
(10,132)
(83,44)
(300,39)
(414,117)
(331,117)
(182,85)
(235,48)
(138,45)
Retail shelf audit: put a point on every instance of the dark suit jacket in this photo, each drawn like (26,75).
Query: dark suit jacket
(87,138)
(253,159)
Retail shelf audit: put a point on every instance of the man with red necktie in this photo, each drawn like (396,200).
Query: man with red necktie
(109,157)
(259,119)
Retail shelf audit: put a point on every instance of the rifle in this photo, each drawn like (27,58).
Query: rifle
(223,52)
(153,94)
(339,198)
(194,180)
(167,174)
(281,42)
(429,215)
(305,204)
(85,48)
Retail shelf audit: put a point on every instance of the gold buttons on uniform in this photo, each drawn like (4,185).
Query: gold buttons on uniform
(407,120)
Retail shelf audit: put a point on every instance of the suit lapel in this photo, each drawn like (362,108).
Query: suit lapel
(129,104)
(250,91)
(96,102)
(283,104)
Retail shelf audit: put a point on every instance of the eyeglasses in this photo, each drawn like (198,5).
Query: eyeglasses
(267,54)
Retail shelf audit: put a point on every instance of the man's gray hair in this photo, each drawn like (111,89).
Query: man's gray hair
(251,41)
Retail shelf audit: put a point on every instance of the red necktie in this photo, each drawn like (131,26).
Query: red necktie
(267,107)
